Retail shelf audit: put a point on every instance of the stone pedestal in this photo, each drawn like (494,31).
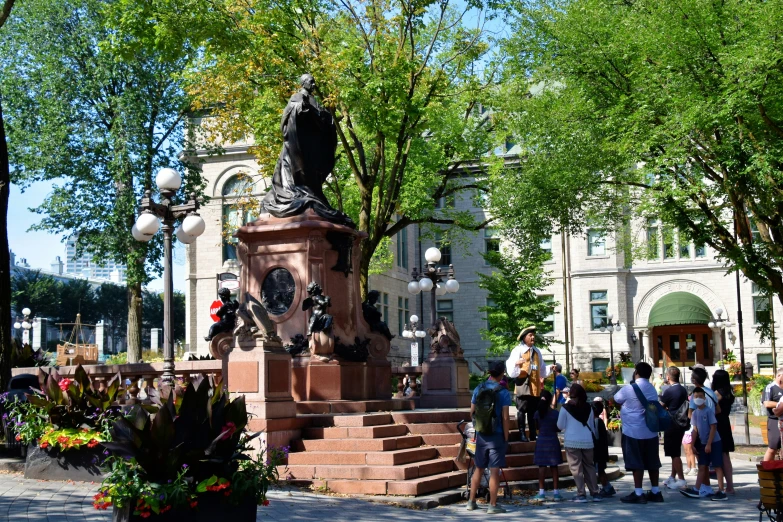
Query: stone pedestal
(315,380)
(445,383)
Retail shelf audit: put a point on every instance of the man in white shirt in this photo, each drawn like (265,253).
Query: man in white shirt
(640,444)
(526,365)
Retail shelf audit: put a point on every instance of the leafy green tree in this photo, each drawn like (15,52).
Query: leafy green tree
(78,297)
(657,109)
(112,302)
(153,313)
(38,292)
(406,81)
(513,286)
(99,111)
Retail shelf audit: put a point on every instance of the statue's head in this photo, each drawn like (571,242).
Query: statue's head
(224,294)
(307,82)
(314,288)
(372,296)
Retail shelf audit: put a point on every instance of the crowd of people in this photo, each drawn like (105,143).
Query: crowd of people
(699,423)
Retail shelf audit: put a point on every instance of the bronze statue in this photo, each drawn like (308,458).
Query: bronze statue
(255,321)
(373,316)
(227,314)
(444,339)
(307,158)
(320,320)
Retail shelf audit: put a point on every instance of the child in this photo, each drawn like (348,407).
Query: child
(601,449)
(710,450)
(548,451)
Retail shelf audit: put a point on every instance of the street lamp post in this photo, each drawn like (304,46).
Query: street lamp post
(434,279)
(412,331)
(611,328)
(147,224)
(719,324)
(24,324)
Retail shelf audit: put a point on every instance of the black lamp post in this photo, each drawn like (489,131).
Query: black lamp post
(168,182)
(434,279)
(611,328)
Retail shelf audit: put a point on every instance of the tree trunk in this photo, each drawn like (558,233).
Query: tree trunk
(134,322)
(6,343)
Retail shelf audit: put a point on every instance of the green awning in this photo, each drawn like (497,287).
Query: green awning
(679,308)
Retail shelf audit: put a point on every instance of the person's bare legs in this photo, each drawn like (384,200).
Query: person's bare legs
(689,456)
(770,454)
(603,479)
(719,472)
(475,482)
(542,477)
(638,478)
(677,468)
(653,473)
(555,477)
(728,472)
(494,484)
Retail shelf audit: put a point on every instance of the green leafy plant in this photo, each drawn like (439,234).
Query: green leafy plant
(23,356)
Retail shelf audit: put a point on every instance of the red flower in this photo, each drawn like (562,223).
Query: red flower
(77,442)
(145,514)
(193,503)
(230,428)
(64,383)
(265,502)
(18,438)
(44,445)
(63,439)
(164,509)
(92,443)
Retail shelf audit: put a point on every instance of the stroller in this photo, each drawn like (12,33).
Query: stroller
(469,441)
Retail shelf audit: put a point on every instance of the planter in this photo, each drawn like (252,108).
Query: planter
(627,374)
(615,438)
(210,508)
(79,465)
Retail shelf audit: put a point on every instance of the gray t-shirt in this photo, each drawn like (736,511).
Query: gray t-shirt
(702,419)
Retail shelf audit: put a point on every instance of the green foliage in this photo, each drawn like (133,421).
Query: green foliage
(152,312)
(23,356)
(27,420)
(647,109)
(513,287)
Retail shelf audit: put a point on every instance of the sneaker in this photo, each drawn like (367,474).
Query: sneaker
(558,497)
(472,505)
(633,498)
(580,499)
(598,497)
(692,472)
(669,482)
(523,438)
(495,509)
(706,492)
(539,498)
(691,492)
(609,492)
(720,495)
(654,497)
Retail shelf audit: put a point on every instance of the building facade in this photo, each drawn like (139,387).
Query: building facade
(85,266)
(663,303)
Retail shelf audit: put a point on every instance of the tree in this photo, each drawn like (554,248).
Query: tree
(153,313)
(112,302)
(406,81)
(6,338)
(38,292)
(513,286)
(102,111)
(650,109)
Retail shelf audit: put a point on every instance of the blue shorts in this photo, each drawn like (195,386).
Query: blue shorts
(714,458)
(490,451)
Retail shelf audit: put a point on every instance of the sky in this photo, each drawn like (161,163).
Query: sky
(41,248)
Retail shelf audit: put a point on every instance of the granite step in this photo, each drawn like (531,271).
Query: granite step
(326,407)
(359,458)
(383,444)
(431,416)
(364,432)
(422,486)
(346,421)
(402,472)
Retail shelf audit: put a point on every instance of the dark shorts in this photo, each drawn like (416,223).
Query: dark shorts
(714,458)
(672,442)
(773,434)
(490,451)
(641,454)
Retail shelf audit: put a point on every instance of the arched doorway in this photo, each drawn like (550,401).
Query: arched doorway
(679,331)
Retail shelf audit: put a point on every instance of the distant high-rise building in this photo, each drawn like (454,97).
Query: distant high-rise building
(85,266)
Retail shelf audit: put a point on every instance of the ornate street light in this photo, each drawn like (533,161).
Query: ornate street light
(611,328)
(24,324)
(148,223)
(411,331)
(719,324)
(434,279)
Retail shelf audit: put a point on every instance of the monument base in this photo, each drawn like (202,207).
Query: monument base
(316,380)
(445,383)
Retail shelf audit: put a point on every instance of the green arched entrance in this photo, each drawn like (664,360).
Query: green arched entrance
(679,331)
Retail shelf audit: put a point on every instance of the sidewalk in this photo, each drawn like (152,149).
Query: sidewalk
(40,501)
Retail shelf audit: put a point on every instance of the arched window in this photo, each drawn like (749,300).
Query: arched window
(239,208)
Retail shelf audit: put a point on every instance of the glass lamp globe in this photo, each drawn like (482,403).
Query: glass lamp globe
(440,290)
(617,328)
(26,311)
(719,324)
(414,318)
(407,334)
(138,236)
(17,325)
(452,285)
(425,284)
(710,325)
(26,325)
(147,224)
(719,312)
(413,287)
(420,334)
(602,329)
(184,238)
(193,225)
(609,317)
(168,180)
(432,255)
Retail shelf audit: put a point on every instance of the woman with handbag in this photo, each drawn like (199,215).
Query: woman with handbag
(577,423)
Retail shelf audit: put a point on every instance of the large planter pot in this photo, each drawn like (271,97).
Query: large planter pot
(615,438)
(210,508)
(81,465)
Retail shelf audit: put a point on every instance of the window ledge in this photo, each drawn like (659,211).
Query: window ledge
(597,257)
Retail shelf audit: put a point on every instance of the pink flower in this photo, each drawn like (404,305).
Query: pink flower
(64,383)
(230,428)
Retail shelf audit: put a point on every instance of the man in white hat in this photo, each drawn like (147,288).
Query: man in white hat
(526,364)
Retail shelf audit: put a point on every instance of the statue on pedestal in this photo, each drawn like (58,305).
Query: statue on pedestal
(319,329)
(227,315)
(444,339)
(307,158)
(373,316)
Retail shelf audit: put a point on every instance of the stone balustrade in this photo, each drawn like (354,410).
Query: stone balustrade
(412,372)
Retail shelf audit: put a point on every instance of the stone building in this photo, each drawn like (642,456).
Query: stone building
(663,303)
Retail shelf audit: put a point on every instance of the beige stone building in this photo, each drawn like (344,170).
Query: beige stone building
(664,303)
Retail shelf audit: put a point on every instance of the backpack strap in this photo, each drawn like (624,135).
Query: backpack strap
(640,395)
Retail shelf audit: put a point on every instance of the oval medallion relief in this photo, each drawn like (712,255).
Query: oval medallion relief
(277,291)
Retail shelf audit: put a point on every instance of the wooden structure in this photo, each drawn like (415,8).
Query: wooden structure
(75,350)
(771,493)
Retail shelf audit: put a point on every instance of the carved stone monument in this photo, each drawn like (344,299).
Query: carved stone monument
(445,375)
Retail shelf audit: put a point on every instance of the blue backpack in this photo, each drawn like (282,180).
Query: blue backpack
(655,415)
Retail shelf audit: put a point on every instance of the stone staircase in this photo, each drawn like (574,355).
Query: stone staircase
(393,453)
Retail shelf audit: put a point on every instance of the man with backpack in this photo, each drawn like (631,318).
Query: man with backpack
(489,410)
(640,443)
(675,400)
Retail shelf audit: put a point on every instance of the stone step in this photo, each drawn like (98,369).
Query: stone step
(384,444)
(431,416)
(433,428)
(325,407)
(422,486)
(359,458)
(365,432)
(403,456)
(403,472)
(441,439)
(346,421)
(530,472)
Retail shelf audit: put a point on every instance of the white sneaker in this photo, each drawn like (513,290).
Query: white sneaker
(693,472)
(669,482)
(679,484)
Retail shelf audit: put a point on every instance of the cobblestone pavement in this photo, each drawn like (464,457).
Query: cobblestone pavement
(41,501)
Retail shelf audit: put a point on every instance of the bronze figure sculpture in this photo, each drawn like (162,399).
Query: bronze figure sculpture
(227,314)
(373,316)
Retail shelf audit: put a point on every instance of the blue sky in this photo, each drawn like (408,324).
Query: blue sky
(40,248)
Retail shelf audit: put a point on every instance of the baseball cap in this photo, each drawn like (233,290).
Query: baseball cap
(559,367)
(497,368)
(566,390)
